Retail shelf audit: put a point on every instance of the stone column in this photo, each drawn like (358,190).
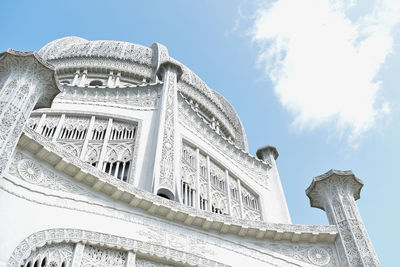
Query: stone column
(336,193)
(130,259)
(26,81)
(78,255)
(167,152)
(269,154)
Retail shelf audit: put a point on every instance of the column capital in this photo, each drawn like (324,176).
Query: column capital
(169,66)
(264,152)
(323,187)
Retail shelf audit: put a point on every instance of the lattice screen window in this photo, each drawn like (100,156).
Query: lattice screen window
(33,122)
(74,128)
(101,257)
(188,172)
(217,176)
(207,185)
(55,255)
(249,199)
(49,126)
(119,152)
(103,143)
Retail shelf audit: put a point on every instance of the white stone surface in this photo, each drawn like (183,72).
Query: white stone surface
(130,123)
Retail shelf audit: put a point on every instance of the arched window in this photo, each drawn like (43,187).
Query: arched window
(96,83)
(44,261)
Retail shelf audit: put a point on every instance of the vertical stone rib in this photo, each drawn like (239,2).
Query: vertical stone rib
(165,169)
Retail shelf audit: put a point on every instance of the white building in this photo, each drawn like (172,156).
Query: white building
(116,154)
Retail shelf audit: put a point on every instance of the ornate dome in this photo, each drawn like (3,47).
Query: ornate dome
(69,53)
(70,47)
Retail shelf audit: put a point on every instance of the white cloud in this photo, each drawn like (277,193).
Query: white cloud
(323,57)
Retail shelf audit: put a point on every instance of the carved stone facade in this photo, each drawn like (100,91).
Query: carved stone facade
(127,158)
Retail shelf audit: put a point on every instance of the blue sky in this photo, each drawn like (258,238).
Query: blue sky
(320,84)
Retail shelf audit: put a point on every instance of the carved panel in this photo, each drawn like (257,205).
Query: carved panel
(101,257)
(167,169)
(148,263)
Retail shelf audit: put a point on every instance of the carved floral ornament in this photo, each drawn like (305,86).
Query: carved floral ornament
(319,256)
(30,171)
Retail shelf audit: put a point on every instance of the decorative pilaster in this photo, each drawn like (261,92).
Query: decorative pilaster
(197,201)
(208,183)
(87,138)
(26,81)
(336,193)
(166,161)
(130,259)
(267,154)
(78,254)
(105,143)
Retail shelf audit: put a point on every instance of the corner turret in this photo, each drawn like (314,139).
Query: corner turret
(336,193)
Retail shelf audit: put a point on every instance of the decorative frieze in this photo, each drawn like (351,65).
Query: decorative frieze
(132,98)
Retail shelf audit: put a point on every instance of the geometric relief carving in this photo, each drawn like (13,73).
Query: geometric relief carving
(94,256)
(147,263)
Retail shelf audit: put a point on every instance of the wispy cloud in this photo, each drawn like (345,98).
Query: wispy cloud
(323,57)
